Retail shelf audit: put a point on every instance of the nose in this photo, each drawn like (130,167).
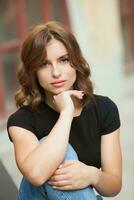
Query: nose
(56,71)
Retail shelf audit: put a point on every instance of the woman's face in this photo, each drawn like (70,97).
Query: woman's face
(56,74)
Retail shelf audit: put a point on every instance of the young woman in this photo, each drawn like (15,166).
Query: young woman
(66,138)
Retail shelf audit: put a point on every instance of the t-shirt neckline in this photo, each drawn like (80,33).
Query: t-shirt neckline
(56,112)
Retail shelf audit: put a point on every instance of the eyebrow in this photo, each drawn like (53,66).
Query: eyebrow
(61,57)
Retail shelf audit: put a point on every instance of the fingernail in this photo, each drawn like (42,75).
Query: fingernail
(54,187)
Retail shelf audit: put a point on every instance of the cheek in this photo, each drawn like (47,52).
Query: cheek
(42,78)
(72,74)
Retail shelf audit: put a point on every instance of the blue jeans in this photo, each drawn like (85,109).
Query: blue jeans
(27,191)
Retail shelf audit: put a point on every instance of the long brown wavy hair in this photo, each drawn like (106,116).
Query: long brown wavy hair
(33,54)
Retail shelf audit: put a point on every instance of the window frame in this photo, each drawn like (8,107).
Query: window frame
(11,45)
(127,17)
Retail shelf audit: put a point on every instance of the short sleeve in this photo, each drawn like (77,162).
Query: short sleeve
(109,116)
(23,118)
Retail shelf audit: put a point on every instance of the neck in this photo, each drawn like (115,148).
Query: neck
(49,100)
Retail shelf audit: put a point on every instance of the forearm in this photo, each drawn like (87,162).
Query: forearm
(47,156)
(107,184)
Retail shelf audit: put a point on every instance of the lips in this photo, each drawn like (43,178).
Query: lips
(58,82)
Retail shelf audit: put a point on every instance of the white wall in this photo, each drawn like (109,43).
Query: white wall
(96,24)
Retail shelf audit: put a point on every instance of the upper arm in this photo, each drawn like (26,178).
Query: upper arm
(24,143)
(111,160)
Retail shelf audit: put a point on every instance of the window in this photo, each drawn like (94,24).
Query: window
(127,19)
(16,16)
(8,29)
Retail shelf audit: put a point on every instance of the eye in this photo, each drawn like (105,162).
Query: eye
(64,60)
(45,64)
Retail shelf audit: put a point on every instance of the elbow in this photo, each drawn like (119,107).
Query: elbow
(119,187)
(111,193)
(37,181)
(34,177)
(115,193)
(111,190)
(117,190)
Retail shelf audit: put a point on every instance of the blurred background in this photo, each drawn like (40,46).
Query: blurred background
(105,32)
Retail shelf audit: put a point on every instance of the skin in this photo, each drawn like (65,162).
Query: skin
(64,175)
(56,67)
(107,181)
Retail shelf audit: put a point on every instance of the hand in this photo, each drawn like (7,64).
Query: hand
(72,175)
(64,102)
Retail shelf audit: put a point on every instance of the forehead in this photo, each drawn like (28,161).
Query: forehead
(55,48)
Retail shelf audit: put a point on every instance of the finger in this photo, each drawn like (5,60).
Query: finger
(66,187)
(61,171)
(64,167)
(59,183)
(66,163)
(76,93)
(58,178)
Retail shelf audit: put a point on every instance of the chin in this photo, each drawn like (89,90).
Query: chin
(59,90)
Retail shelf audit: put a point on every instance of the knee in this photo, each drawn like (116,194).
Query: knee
(70,153)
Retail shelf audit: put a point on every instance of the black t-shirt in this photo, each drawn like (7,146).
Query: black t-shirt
(96,119)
